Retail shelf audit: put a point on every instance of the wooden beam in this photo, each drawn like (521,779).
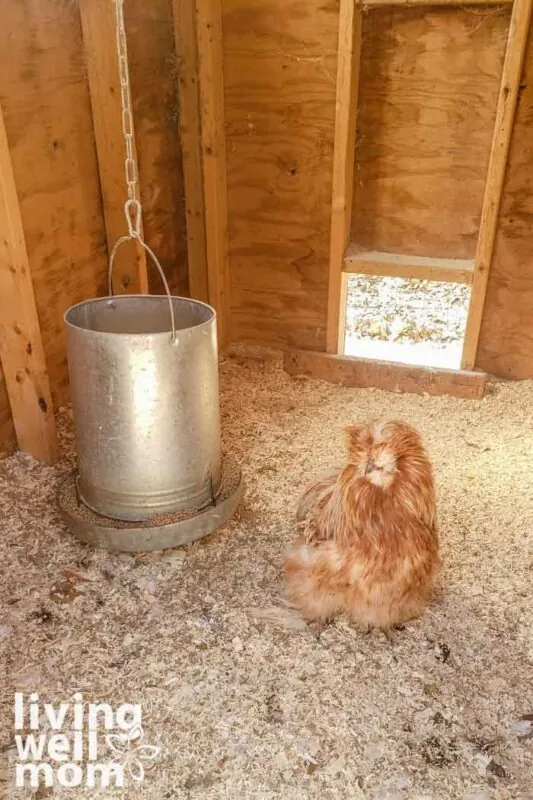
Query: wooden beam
(349,54)
(213,135)
(191,145)
(390,265)
(21,347)
(361,373)
(99,39)
(429,3)
(503,130)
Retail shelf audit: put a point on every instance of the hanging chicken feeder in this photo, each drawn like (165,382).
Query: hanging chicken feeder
(144,384)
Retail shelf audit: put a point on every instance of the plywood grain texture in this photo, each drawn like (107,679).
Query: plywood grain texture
(280,71)
(44,94)
(506,341)
(154,78)
(428,92)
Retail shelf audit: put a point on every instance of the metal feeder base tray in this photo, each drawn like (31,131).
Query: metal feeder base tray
(157,533)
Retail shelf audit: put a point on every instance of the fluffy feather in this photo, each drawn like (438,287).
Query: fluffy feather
(368,542)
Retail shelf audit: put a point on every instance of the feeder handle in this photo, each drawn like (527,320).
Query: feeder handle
(133,235)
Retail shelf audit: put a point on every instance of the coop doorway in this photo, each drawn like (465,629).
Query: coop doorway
(417,320)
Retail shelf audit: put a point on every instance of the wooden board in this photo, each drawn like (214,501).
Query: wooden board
(425,3)
(213,139)
(427,102)
(506,341)
(45,97)
(361,373)
(99,42)
(390,265)
(154,67)
(21,347)
(348,61)
(8,439)
(280,74)
(185,32)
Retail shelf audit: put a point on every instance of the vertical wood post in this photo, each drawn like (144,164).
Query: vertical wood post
(191,145)
(21,347)
(348,65)
(213,138)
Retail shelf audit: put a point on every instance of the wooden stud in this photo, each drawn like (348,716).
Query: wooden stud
(21,347)
(191,145)
(213,135)
(99,39)
(342,316)
(503,130)
(349,53)
(364,373)
(451,270)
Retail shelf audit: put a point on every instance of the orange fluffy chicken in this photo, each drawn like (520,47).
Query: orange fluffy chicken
(368,543)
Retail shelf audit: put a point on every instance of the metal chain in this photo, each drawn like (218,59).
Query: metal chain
(132,206)
(130,167)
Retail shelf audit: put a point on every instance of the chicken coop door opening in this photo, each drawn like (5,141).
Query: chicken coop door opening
(404,320)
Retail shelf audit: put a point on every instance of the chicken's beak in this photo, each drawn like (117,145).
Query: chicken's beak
(370,467)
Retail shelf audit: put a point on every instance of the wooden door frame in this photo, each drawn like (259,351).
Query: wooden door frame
(346,258)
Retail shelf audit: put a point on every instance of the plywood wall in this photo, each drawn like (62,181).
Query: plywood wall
(45,99)
(506,343)
(427,100)
(427,103)
(279,71)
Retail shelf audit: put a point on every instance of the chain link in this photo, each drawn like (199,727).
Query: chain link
(130,167)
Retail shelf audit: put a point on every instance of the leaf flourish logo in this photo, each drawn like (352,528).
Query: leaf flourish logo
(132,754)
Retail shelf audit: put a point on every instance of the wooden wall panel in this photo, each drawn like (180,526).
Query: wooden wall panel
(154,76)
(428,91)
(280,70)
(506,342)
(43,91)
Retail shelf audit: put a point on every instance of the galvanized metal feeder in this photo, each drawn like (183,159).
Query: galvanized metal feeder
(144,384)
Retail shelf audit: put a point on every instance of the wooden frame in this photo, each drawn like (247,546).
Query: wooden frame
(99,37)
(346,258)
(503,131)
(213,141)
(185,35)
(451,270)
(21,347)
(350,25)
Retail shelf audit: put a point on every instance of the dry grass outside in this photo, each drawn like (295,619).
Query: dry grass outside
(244,709)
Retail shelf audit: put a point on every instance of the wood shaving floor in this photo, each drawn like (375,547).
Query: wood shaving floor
(244,708)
